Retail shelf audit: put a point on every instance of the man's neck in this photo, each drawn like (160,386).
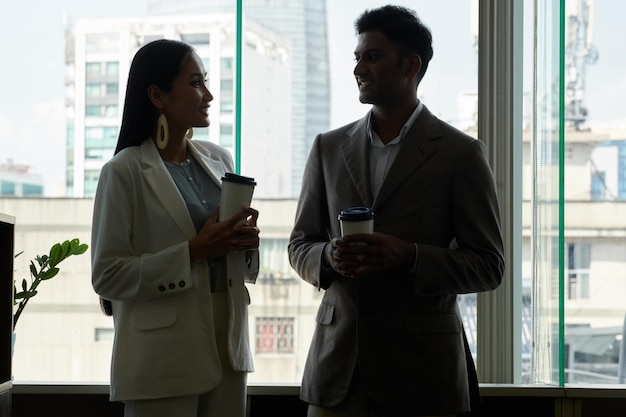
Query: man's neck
(388,122)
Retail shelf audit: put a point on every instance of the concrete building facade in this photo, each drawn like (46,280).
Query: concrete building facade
(98,56)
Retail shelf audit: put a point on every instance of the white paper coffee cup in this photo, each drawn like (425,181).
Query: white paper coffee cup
(355,220)
(237,193)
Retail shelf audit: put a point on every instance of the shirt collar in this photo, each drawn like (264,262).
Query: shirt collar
(375,140)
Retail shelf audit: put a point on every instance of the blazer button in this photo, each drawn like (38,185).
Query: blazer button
(181,284)
(161,288)
(172,285)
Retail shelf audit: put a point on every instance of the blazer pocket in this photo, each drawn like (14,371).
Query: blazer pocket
(155,319)
(433,323)
(325,313)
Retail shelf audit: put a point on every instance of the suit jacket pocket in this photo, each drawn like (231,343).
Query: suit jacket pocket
(155,319)
(325,313)
(433,323)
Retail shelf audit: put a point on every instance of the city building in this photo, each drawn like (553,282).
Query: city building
(303,23)
(98,56)
(16,180)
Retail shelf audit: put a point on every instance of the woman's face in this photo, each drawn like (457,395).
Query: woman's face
(187,103)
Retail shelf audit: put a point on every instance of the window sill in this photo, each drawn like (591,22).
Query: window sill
(486,390)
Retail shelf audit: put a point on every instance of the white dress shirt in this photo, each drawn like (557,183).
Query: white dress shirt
(382,156)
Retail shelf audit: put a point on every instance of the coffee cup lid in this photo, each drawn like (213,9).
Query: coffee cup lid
(240,179)
(356,214)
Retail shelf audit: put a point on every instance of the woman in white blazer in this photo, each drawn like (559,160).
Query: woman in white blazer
(172,274)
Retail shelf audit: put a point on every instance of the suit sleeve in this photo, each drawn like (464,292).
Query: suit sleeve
(311,231)
(474,261)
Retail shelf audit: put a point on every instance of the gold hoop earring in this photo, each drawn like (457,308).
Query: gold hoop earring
(189,134)
(162,132)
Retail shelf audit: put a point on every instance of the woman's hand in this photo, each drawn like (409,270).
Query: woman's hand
(236,234)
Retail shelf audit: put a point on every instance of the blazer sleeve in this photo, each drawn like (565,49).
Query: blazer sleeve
(129,261)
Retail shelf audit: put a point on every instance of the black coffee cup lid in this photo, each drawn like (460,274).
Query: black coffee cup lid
(355,214)
(240,179)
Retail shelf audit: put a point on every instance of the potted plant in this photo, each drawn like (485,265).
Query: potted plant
(42,268)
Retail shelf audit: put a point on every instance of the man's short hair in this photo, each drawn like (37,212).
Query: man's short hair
(402,27)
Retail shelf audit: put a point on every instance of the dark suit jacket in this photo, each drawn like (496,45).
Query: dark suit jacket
(403,330)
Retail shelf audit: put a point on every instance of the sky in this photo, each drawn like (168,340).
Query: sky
(32,113)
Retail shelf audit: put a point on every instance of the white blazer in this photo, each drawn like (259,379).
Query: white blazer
(164,334)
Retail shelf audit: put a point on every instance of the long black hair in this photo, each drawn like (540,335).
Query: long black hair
(156,63)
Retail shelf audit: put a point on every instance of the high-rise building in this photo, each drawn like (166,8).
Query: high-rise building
(98,56)
(303,23)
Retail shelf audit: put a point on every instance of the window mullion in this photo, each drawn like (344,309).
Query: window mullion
(500,127)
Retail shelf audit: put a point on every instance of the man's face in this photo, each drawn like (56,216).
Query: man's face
(381,78)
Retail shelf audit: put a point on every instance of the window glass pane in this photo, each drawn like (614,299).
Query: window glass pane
(111,110)
(7,188)
(226,95)
(274,335)
(293,53)
(545,197)
(595,177)
(93,90)
(290,65)
(196,38)
(104,335)
(226,135)
(32,190)
(92,69)
(112,68)
(92,110)
(112,88)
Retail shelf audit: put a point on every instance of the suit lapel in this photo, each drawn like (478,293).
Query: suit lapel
(416,148)
(159,179)
(356,156)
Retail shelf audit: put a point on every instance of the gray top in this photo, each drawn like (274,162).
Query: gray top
(200,193)
(202,196)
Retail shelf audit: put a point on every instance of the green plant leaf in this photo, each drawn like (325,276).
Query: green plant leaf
(42,260)
(66,249)
(33,269)
(81,249)
(56,254)
(47,269)
(25,294)
(50,273)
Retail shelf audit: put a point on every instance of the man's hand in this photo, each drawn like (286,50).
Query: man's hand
(361,255)
(332,259)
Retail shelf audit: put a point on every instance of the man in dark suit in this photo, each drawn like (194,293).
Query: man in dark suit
(389,339)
